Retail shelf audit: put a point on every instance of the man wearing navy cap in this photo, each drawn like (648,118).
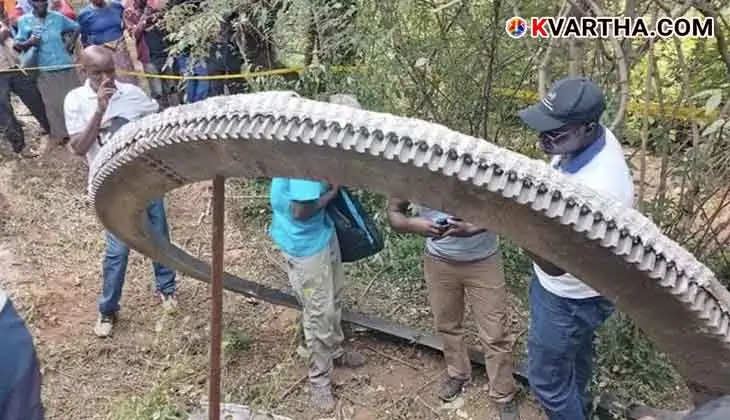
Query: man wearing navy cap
(564,311)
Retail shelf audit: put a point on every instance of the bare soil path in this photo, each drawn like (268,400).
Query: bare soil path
(155,365)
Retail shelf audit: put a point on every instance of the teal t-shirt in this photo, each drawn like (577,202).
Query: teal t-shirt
(298,238)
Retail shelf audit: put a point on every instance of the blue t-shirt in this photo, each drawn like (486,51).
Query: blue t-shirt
(52,50)
(298,238)
(100,25)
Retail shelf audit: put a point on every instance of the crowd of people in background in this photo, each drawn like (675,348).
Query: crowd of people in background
(46,38)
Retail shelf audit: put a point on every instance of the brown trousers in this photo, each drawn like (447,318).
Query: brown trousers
(483,281)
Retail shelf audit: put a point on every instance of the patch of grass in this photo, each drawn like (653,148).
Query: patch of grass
(249,200)
(154,405)
(630,366)
(517,269)
(235,341)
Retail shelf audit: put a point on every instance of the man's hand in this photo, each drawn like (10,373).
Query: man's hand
(461,229)
(4,31)
(424,227)
(33,41)
(104,94)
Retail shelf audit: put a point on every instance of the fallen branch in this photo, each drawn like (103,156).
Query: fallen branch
(370,284)
(415,392)
(292,387)
(249,197)
(277,263)
(393,358)
(427,405)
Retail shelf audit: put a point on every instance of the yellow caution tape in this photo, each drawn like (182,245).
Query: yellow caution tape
(667,112)
(44,68)
(245,75)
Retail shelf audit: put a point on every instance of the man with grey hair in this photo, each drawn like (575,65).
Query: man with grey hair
(306,236)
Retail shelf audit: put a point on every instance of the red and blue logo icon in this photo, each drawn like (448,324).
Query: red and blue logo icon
(516,27)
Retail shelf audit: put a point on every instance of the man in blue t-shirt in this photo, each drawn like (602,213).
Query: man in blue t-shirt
(304,232)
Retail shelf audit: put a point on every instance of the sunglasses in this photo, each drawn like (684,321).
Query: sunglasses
(557,134)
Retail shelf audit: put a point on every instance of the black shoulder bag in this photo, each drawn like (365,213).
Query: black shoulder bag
(356,231)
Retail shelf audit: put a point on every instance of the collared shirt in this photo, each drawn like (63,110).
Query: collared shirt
(100,25)
(298,238)
(601,167)
(128,102)
(52,50)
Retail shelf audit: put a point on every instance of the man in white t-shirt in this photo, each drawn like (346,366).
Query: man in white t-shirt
(93,112)
(564,311)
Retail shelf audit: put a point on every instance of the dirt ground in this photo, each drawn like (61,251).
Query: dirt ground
(155,365)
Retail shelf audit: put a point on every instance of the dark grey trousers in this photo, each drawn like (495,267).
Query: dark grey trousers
(27,90)
(20,376)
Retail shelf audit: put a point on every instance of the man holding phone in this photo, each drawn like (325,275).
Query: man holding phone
(460,259)
(93,113)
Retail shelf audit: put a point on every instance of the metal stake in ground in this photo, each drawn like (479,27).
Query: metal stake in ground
(216,318)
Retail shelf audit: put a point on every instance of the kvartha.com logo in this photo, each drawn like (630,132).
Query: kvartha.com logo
(610,26)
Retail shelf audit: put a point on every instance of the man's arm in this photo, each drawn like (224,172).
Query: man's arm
(23,39)
(80,143)
(401,222)
(73,27)
(303,210)
(462,229)
(4,32)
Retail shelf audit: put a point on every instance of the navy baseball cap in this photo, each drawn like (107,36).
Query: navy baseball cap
(572,99)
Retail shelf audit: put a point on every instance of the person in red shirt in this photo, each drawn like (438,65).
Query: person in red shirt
(64,8)
(140,17)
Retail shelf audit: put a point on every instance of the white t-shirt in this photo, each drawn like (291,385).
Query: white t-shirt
(602,167)
(3,299)
(128,102)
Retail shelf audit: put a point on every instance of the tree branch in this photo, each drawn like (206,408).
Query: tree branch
(709,10)
(545,62)
(645,133)
(623,71)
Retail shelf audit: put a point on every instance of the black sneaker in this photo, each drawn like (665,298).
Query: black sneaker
(451,388)
(351,359)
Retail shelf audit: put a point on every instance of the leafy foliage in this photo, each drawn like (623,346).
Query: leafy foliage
(452,63)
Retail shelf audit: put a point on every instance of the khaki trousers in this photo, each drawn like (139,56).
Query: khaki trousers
(483,281)
(318,281)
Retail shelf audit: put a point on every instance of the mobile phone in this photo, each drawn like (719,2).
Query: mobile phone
(444,221)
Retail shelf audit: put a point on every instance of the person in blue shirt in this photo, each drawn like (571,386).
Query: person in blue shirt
(44,30)
(306,236)
(102,23)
